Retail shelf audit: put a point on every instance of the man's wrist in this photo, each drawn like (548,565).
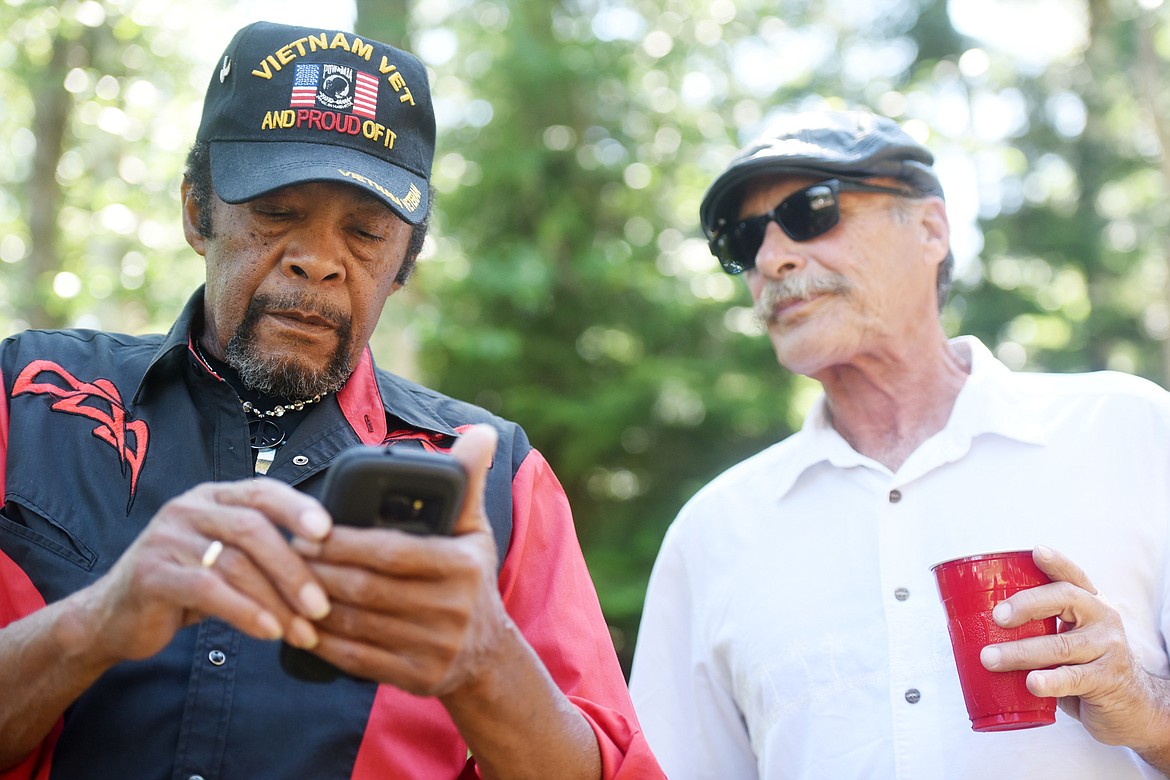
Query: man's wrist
(1155,748)
(75,631)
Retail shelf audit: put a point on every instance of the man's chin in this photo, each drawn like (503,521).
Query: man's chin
(309,354)
(799,355)
(291,374)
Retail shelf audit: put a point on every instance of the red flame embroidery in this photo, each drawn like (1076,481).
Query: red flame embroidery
(98,400)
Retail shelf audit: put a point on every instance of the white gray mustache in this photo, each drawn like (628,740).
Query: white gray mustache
(795,288)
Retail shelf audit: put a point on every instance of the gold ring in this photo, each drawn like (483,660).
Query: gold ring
(212,555)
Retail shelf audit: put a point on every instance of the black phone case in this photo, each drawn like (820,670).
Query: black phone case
(414,490)
(395,487)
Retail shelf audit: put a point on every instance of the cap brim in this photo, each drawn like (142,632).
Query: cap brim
(244,170)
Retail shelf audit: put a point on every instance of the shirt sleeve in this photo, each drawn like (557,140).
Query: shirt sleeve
(18,598)
(679,687)
(3,440)
(546,588)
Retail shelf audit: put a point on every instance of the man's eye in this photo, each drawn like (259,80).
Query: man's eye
(268,210)
(370,236)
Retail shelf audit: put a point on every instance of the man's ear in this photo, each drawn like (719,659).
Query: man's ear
(936,231)
(191,214)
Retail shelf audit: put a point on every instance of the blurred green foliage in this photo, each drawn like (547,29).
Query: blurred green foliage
(99,105)
(566,284)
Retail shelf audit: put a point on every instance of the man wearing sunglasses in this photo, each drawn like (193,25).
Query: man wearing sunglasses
(792,627)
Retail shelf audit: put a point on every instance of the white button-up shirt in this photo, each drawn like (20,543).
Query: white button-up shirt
(792,626)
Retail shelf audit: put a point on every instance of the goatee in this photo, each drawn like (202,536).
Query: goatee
(282,375)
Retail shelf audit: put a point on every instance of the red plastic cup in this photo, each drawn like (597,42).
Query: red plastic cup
(970,588)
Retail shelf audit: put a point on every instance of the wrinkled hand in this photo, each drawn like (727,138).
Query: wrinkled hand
(420,613)
(258,584)
(1095,673)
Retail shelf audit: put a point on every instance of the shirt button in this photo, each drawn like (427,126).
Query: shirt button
(217,657)
(895,496)
(913,695)
(300,460)
(901,594)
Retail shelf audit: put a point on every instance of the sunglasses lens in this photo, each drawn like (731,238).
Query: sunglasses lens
(809,213)
(721,247)
(745,239)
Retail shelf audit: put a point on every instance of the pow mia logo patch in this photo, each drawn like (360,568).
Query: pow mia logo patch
(336,90)
(334,87)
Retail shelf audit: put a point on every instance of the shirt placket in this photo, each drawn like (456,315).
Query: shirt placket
(907,600)
(207,709)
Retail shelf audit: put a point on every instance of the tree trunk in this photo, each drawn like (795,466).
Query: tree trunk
(1149,83)
(52,106)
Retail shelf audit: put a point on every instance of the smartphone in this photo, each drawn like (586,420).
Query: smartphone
(414,490)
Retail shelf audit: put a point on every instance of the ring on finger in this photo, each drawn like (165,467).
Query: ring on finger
(212,554)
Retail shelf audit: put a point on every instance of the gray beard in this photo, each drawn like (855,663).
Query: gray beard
(280,376)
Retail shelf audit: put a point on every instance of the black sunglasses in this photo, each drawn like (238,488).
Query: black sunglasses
(803,215)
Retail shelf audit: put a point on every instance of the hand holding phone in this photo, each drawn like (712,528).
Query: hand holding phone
(414,490)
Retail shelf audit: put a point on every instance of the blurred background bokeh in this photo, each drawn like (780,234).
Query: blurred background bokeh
(565,283)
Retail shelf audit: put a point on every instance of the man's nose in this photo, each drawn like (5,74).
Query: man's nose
(778,254)
(317,255)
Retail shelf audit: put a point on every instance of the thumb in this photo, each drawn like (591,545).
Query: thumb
(474,450)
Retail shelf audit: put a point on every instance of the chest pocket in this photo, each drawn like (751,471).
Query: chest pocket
(25,523)
(56,560)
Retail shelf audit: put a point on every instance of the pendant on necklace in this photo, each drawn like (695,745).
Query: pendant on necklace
(264,434)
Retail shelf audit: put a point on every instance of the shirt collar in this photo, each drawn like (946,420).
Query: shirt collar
(990,401)
(368,398)
(167,360)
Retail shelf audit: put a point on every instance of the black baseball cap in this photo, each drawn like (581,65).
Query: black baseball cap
(830,144)
(288,105)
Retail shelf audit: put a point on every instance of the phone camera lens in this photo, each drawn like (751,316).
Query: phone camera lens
(397,508)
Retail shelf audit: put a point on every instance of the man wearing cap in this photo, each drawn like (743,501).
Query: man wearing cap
(148,570)
(792,628)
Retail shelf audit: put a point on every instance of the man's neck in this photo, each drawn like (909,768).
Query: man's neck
(886,407)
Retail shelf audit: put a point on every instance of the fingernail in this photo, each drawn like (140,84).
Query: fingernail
(1045,553)
(1002,612)
(314,600)
(990,656)
(302,634)
(269,625)
(315,523)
